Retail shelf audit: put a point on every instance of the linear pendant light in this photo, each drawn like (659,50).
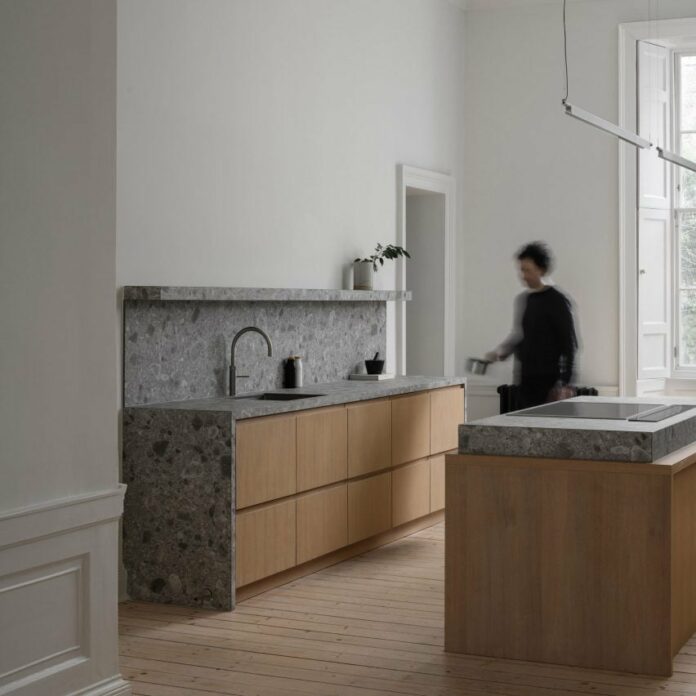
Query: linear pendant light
(676,159)
(607,126)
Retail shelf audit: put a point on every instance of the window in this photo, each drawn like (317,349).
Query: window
(684,198)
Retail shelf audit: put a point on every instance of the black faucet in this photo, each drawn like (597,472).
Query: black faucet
(233,369)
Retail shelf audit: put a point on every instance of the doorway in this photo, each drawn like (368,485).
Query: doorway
(425,324)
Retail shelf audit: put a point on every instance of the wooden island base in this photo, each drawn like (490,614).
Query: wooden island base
(582,563)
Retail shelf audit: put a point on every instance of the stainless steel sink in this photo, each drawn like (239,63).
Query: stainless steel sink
(278,396)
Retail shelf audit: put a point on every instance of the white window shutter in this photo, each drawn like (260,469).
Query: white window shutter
(654,293)
(654,78)
(654,214)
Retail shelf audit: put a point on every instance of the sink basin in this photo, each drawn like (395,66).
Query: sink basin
(278,396)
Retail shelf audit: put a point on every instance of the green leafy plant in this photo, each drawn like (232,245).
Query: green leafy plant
(390,251)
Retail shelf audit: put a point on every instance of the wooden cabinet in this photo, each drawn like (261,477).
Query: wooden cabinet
(410,428)
(322,522)
(446,413)
(265,459)
(265,541)
(369,436)
(322,447)
(369,506)
(410,492)
(437,482)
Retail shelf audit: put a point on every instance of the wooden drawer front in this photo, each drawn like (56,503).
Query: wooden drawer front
(437,483)
(446,413)
(322,448)
(265,460)
(369,507)
(410,428)
(265,542)
(322,522)
(410,492)
(369,437)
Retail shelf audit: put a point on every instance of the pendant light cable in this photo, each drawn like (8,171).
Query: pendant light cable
(565,52)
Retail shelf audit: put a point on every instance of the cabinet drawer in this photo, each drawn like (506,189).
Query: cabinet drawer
(369,507)
(410,492)
(437,482)
(369,436)
(265,459)
(322,447)
(446,413)
(410,428)
(322,522)
(265,541)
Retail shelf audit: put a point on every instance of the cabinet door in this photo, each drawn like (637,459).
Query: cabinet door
(369,507)
(369,436)
(410,428)
(265,541)
(265,459)
(437,482)
(322,447)
(322,522)
(446,413)
(410,492)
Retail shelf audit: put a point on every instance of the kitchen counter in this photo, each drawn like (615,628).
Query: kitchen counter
(581,438)
(333,393)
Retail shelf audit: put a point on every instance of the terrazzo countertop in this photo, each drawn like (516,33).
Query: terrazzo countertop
(582,438)
(332,393)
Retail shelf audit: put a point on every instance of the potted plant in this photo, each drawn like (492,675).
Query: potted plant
(364,269)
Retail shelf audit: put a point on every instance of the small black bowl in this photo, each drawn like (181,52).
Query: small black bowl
(374,367)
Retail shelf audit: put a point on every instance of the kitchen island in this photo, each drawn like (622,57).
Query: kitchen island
(573,540)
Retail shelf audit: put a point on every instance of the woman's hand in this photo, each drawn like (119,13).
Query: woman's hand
(492,356)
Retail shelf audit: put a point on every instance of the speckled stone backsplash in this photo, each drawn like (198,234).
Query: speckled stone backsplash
(180,350)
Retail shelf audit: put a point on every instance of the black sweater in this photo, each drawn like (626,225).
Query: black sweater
(545,341)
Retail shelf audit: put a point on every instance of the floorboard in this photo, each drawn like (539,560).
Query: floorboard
(368,626)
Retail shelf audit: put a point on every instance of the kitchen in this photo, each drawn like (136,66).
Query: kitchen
(248,144)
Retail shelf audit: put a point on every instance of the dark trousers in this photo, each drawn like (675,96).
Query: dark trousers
(534,389)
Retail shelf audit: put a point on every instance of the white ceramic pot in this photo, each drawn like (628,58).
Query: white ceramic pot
(363,275)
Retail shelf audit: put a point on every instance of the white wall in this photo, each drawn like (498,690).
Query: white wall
(258,140)
(533,173)
(59,494)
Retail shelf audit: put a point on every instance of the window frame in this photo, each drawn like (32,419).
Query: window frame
(678,371)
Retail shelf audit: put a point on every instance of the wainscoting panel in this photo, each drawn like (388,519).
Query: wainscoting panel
(58,598)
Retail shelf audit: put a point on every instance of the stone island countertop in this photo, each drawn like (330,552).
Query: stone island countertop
(332,393)
(582,438)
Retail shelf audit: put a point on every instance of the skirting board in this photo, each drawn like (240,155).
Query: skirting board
(58,597)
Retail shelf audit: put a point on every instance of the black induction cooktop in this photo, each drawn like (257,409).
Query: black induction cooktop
(649,413)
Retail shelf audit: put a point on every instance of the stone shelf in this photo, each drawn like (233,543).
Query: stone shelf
(217,294)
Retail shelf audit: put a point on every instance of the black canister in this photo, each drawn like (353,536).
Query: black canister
(289,372)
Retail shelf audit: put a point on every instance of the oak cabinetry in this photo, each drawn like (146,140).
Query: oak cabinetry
(437,482)
(410,492)
(410,427)
(322,522)
(266,542)
(369,436)
(369,506)
(354,472)
(322,453)
(446,413)
(265,459)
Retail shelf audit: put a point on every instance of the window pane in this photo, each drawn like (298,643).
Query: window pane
(687,178)
(688,93)
(687,328)
(687,248)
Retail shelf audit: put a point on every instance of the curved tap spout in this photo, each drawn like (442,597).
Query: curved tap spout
(233,369)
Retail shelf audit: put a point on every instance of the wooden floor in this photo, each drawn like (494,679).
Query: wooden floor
(372,625)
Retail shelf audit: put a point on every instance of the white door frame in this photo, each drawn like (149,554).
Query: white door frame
(434,182)
(668,32)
